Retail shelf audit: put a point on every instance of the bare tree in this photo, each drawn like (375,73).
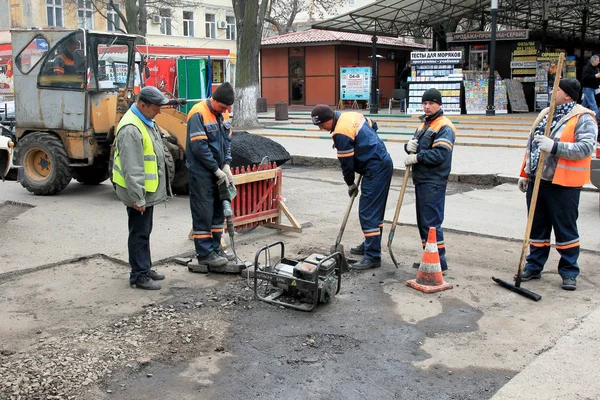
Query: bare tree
(282,13)
(249,17)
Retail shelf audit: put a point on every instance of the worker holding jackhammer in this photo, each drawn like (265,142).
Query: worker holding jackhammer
(430,154)
(208,159)
(566,169)
(360,150)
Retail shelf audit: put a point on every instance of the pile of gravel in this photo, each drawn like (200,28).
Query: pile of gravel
(248,149)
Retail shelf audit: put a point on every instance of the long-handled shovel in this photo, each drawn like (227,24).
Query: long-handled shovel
(338,246)
(516,287)
(397,214)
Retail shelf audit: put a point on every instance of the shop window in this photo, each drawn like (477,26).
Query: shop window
(32,54)
(165,21)
(231,32)
(188,23)
(54,12)
(217,71)
(85,14)
(65,66)
(113,20)
(211,26)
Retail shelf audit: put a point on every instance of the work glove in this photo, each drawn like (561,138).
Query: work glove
(411,159)
(221,177)
(523,183)
(227,170)
(412,145)
(544,143)
(352,190)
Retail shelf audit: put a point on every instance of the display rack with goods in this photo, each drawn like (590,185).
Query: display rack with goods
(523,63)
(544,79)
(571,63)
(476,93)
(436,70)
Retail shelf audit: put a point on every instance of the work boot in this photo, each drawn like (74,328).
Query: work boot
(365,264)
(146,283)
(569,283)
(528,275)
(222,253)
(358,250)
(212,260)
(155,276)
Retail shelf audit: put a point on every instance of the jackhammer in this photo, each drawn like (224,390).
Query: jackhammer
(226,195)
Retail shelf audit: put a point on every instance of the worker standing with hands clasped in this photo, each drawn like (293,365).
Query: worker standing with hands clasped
(566,169)
(140,179)
(360,150)
(208,158)
(430,154)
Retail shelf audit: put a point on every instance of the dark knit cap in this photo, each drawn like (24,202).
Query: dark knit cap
(151,95)
(433,95)
(570,86)
(224,94)
(321,113)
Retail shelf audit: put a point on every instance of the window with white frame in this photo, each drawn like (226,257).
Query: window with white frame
(114,22)
(211,26)
(231,33)
(85,14)
(165,21)
(54,12)
(188,23)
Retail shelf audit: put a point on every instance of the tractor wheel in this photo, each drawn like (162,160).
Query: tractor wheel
(169,163)
(92,175)
(180,184)
(45,163)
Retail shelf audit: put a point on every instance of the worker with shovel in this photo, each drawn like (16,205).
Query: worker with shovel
(360,150)
(430,154)
(566,169)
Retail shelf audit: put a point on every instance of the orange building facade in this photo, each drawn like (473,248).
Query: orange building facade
(308,73)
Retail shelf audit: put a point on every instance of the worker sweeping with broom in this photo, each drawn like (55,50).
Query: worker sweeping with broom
(360,150)
(568,153)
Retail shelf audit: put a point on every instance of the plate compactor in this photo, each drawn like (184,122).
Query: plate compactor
(300,284)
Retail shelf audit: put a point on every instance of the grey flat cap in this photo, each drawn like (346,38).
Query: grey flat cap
(151,95)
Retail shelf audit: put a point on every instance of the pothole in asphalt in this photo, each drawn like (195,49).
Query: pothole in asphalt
(12,209)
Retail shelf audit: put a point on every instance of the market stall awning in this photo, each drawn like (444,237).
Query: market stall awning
(564,19)
(400,17)
(321,37)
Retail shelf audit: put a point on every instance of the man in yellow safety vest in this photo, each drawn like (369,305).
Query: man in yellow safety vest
(141,181)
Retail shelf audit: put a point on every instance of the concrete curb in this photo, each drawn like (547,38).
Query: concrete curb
(473,179)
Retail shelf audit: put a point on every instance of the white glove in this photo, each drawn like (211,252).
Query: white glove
(412,145)
(352,190)
(221,177)
(411,159)
(523,183)
(227,170)
(544,143)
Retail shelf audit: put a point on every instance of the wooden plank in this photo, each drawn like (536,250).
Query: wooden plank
(256,219)
(283,207)
(254,176)
(287,228)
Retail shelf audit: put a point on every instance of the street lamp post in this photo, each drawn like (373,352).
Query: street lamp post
(491,109)
(374,106)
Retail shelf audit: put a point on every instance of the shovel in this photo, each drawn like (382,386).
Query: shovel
(397,214)
(338,246)
(516,287)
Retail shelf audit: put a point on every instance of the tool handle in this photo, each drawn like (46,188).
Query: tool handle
(345,221)
(538,174)
(399,204)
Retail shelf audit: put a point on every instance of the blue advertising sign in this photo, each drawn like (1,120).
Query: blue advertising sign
(355,83)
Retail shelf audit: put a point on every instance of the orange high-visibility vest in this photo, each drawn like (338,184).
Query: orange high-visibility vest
(570,173)
(208,118)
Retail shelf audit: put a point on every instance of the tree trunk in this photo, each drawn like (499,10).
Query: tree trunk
(132,17)
(143,18)
(249,15)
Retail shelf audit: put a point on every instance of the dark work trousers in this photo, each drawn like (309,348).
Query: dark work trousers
(374,187)
(557,208)
(430,202)
(138,244)
(207,214)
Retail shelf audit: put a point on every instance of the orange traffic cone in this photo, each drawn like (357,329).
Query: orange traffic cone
(429,278)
